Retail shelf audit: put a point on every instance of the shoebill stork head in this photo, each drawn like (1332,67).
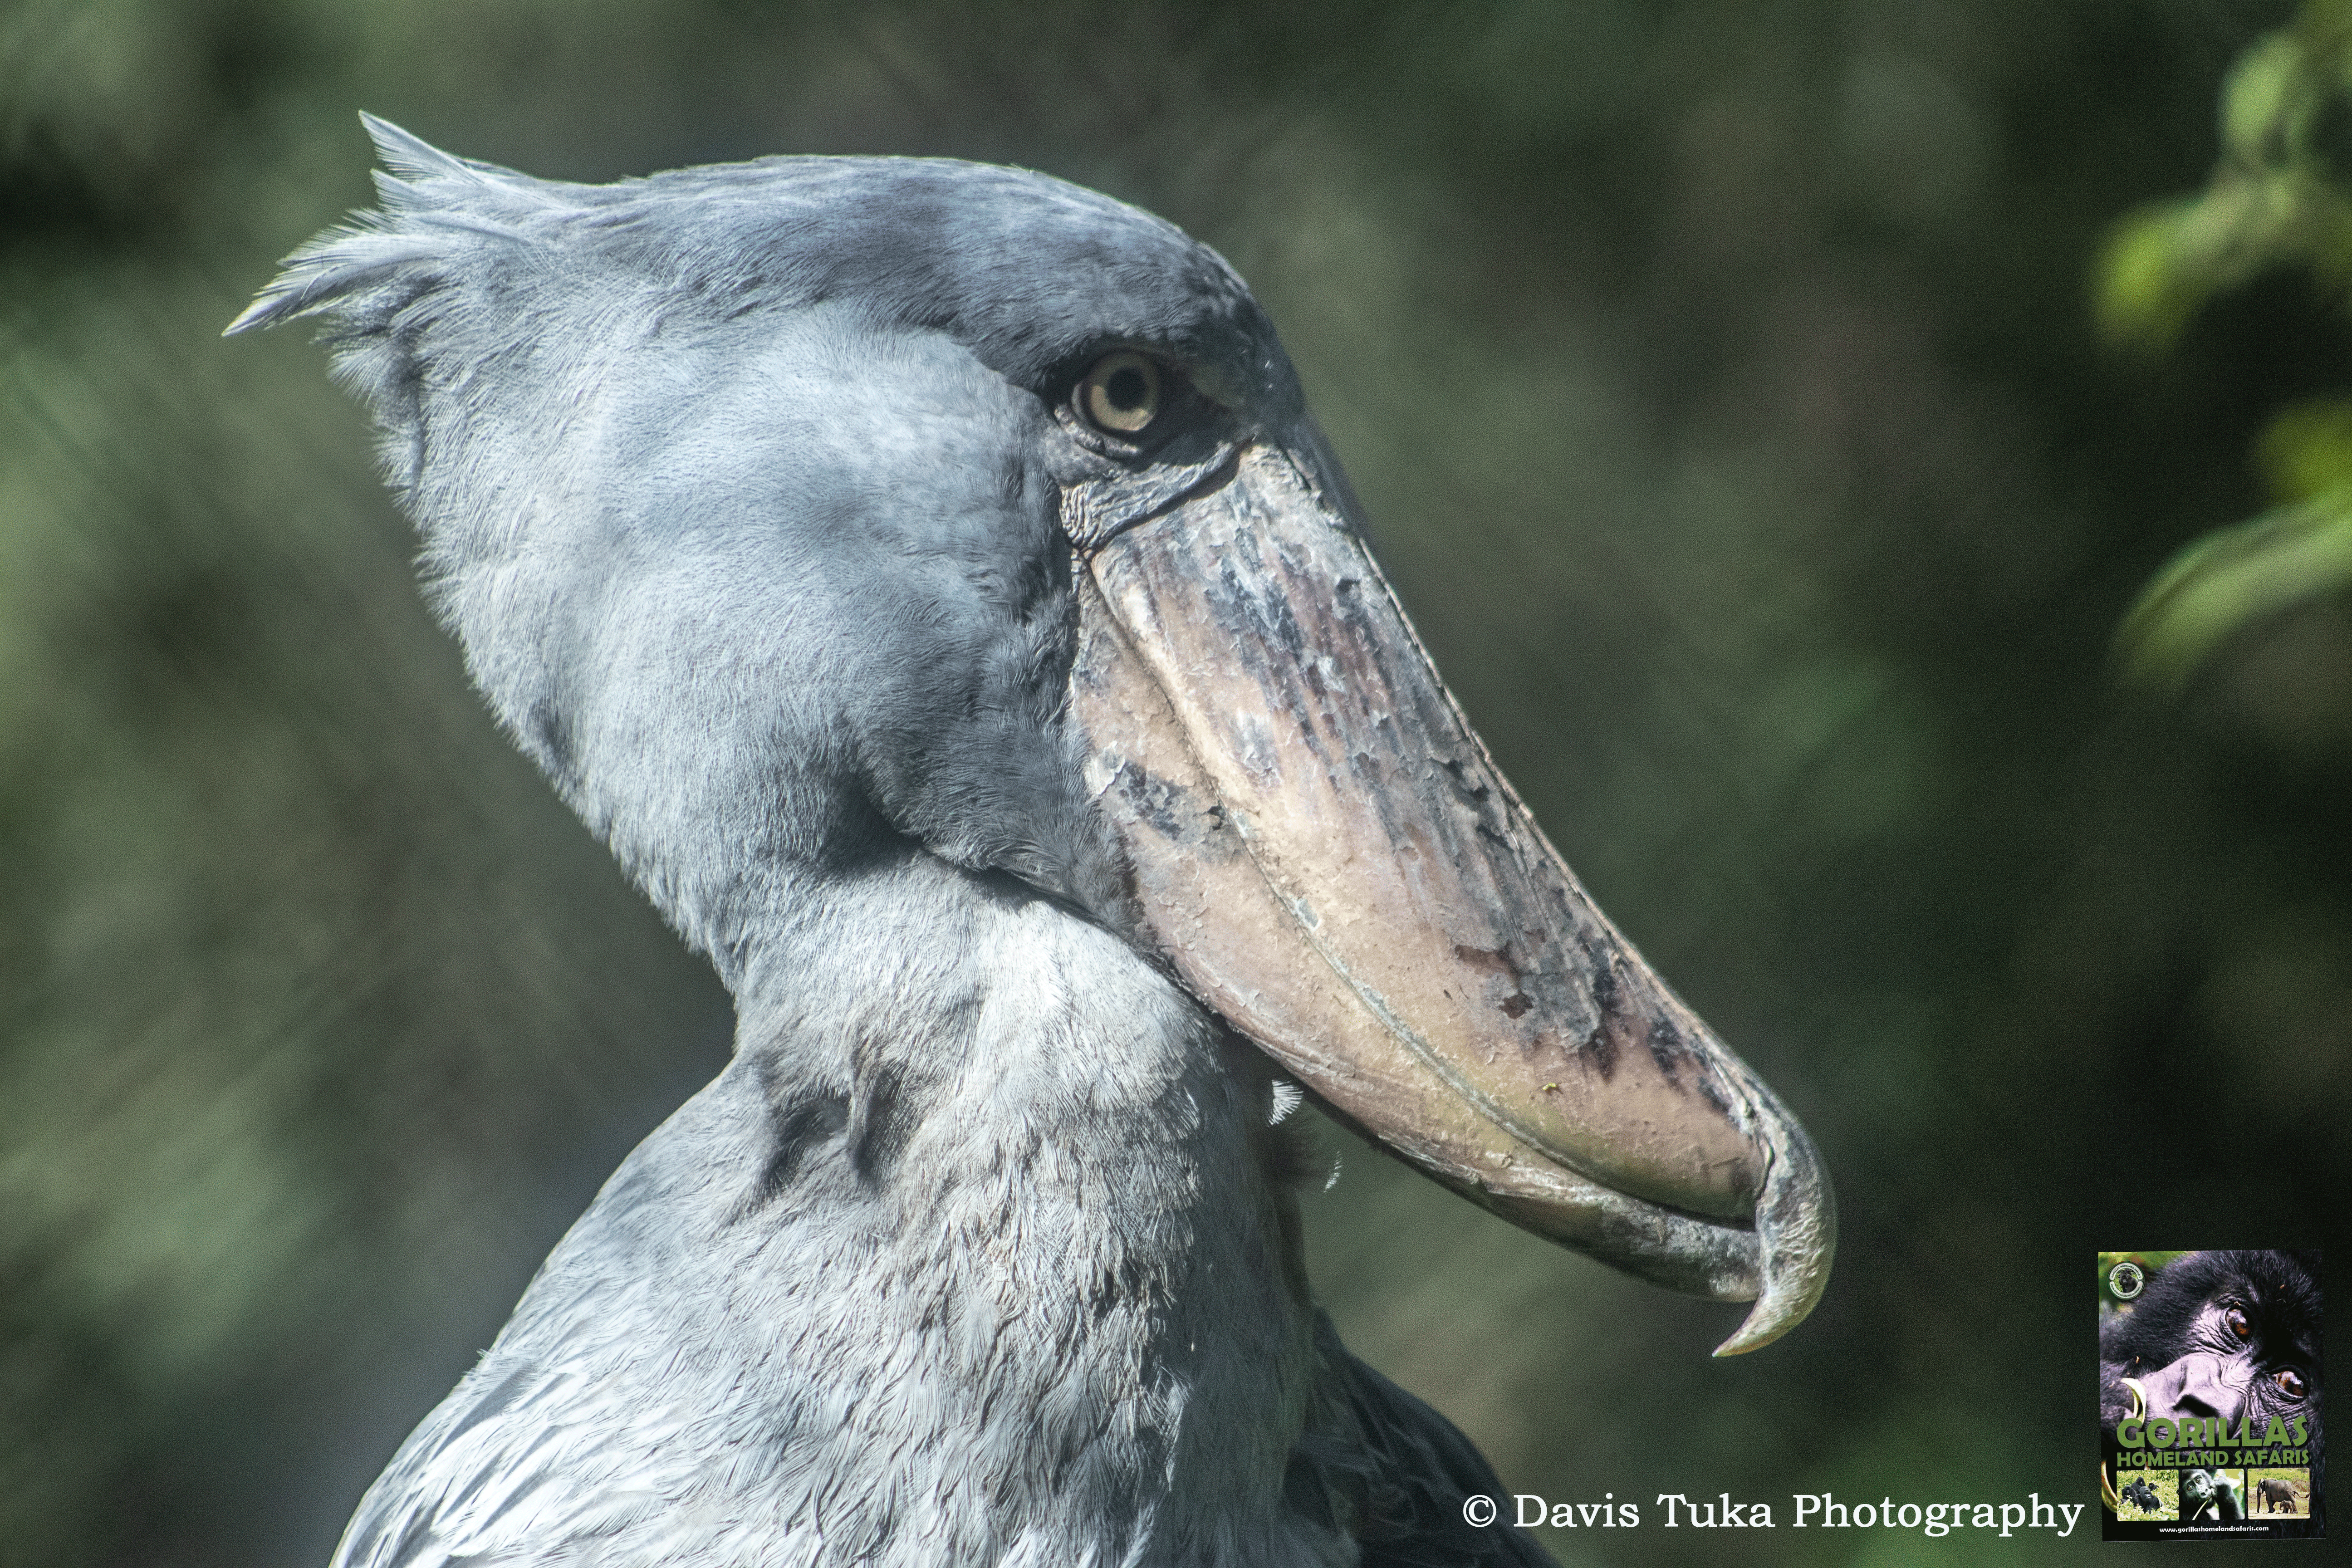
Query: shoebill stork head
(796,508)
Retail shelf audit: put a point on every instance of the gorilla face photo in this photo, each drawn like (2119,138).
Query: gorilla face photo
(2208,1496)
(2233,1334)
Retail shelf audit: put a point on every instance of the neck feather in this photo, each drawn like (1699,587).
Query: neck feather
(977,1252)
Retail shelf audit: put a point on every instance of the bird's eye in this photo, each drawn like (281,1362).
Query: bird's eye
(1120,394)
(2290,1383)
(2241,1326)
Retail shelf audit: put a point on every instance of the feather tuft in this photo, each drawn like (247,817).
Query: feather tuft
(426,195)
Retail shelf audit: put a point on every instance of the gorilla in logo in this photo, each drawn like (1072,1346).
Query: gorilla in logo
(2233,1334)
(2209,1497)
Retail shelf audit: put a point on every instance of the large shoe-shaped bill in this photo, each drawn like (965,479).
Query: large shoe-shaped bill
(1325,854)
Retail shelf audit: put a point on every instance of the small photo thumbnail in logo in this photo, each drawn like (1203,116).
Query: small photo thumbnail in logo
(2212,1497)
(2155,1495)
(2278,1491)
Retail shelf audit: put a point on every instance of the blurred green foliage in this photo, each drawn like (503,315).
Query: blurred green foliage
(1717,376)
(2279,197)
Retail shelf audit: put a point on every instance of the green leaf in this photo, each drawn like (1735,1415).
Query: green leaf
(2147,285)
(2267,100)
(2325,26)
(2165,260)
(2232,577)
(2306,449)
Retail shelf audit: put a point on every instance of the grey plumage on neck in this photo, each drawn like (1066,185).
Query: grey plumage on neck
(938,1271)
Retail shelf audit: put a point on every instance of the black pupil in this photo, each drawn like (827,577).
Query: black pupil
(1126,388)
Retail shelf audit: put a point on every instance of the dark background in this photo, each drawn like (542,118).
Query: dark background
(1721,378)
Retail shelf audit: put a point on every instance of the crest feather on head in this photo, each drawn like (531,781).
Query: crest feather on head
(412,226)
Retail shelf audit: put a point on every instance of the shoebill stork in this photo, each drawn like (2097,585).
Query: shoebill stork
(927,579)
